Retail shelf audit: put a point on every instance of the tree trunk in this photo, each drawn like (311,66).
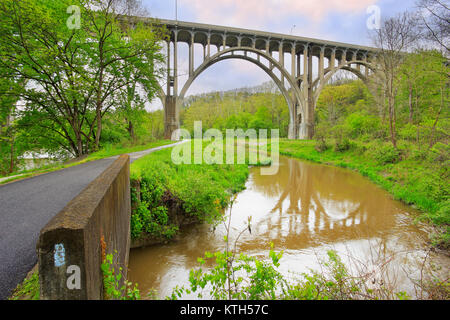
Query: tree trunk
(11,163)
(391,106)
(433,130)
(79,142)
(131,131)
(99,104)
(99,126)
(410,102)
(383,109)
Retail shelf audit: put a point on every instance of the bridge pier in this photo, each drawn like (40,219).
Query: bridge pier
(171,118)
(292,133)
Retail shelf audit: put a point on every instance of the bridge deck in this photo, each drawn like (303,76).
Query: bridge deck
(201,31)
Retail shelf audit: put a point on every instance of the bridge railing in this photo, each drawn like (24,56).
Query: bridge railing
(72,246)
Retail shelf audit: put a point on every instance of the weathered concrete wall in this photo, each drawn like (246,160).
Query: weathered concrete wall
(72,240)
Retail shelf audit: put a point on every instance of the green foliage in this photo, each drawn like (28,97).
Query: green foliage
(338,101)
(79,75)
(230,110)
(384,154)
(250,278)
(142,218)
(150,216)
(198,191)
(408,132)
(361,123)
(442,216)
(28,289)
(440,153)
(111,283)
(341,141)
(320,135)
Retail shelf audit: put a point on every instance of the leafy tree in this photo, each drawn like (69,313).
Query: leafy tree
(74,75)
(395,36)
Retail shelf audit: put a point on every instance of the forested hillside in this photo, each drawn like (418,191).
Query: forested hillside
(260,108)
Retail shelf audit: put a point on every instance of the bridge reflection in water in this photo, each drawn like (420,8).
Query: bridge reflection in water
(304,210)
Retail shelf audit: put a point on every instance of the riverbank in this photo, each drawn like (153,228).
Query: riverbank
(305,210)
(167,196)
(412,179)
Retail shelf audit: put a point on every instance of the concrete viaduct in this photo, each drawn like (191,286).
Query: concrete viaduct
(301,85)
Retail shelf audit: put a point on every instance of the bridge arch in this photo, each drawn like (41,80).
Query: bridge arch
(222,54)
(320,83)
(291,96)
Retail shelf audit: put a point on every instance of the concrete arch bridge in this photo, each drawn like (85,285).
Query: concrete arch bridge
(301,83)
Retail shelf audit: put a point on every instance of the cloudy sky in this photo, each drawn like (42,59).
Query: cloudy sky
(335,20)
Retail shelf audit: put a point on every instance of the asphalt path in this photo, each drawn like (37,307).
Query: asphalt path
(26,206)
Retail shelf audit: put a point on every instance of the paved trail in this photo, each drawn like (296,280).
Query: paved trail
(27,205)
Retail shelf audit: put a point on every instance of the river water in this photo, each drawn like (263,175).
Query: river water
(305,210)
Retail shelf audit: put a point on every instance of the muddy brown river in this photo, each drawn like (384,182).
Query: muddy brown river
(305,210)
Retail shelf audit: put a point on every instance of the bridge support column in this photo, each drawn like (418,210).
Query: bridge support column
(309,121)
(302,132)
(293,128)
(294,132)
(171,118)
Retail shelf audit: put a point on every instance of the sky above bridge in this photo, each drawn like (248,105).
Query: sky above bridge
(335,20)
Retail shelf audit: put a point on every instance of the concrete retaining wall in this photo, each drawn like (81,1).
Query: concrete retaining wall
(70,246)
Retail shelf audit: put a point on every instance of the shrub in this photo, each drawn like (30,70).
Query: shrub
(408,132)
(442,216)
(199,191)
(320,136)
(342,145)
(385,154)
(341,141)
(440,152)
(360,123)
(111,283)
(150,214)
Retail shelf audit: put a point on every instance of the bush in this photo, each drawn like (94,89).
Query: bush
(320,136)
(385,154)
(341,135)
(440,152)
(360,123)
(442,216)
(150,214)
(111,282)
(408,132)
(199,191)
(342,145)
